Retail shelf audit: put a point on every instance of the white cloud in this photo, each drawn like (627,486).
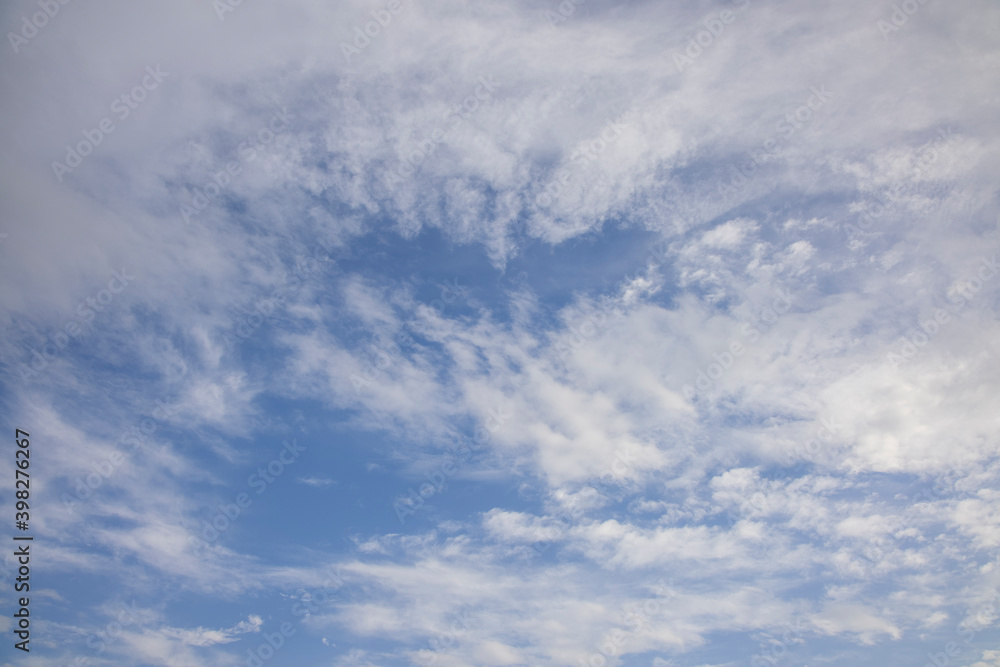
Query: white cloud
(623,471)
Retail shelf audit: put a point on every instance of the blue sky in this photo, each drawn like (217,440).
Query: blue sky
(503,333)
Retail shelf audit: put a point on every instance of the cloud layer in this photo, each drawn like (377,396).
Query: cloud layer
(605,333)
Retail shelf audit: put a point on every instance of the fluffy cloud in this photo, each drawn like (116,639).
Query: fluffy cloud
(731,324)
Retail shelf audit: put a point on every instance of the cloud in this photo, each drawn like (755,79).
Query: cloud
(769,375)
(206,637)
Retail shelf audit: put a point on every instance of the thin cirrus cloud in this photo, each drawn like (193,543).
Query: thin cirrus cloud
(592,357)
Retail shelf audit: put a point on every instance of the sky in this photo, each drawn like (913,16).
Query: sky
(451,333)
